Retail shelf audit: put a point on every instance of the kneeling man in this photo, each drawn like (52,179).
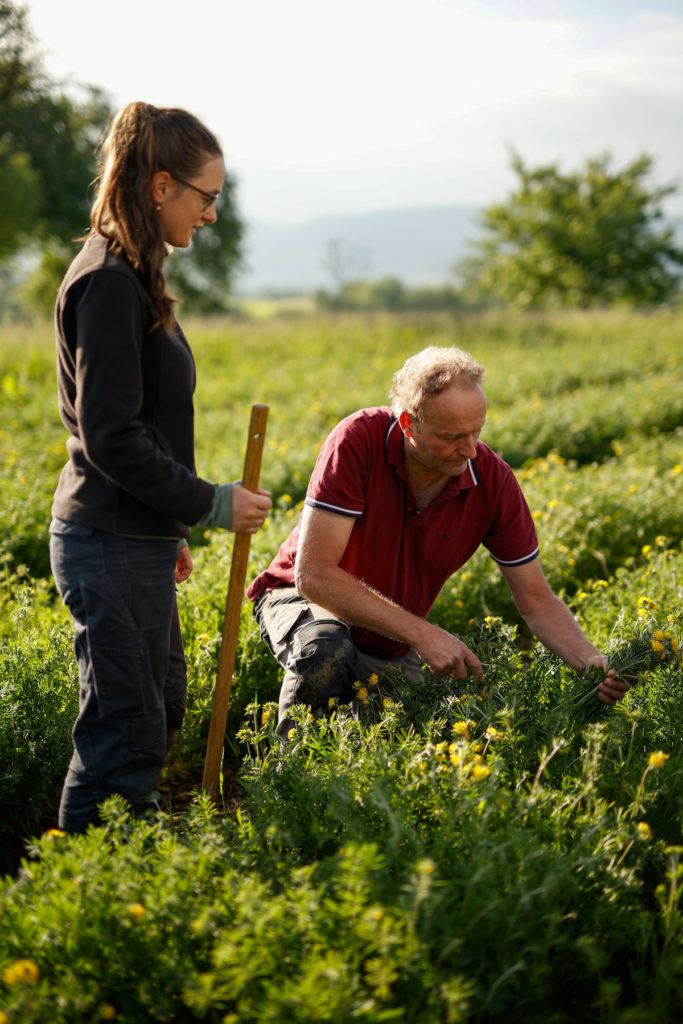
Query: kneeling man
(400,498)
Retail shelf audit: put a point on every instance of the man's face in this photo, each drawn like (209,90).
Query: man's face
(446,436)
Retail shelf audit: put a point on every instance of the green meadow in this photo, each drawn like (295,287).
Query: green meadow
(502,851)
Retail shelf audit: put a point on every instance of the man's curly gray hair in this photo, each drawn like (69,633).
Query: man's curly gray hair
(429,373)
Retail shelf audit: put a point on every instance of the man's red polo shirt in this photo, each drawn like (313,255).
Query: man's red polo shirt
(404,553)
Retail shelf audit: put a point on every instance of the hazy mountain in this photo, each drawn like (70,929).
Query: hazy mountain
(417,245)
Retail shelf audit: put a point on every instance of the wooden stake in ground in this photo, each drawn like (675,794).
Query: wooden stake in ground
(233,609)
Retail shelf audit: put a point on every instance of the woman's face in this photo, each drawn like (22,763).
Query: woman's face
(185,206)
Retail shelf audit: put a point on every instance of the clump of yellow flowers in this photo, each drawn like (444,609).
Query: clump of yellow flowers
(646,649)
(21,972)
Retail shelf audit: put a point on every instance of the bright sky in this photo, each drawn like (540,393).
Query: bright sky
(327,107)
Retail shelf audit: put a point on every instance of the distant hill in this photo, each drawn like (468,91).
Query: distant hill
(418,245)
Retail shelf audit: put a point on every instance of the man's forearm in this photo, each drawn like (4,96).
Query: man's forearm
(557,629)
(359,605)
(354,602)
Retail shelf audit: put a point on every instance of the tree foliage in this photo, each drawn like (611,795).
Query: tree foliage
(48,147)
(592,237)
(390,293)
(47,142)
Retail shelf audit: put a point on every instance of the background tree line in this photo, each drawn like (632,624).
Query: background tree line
(589,237)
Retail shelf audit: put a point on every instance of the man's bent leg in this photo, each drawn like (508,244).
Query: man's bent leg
(317,653)
(321,665)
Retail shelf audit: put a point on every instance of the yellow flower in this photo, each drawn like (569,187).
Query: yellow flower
(461,729)
(363,694)
(3,1017)
(136,911)
(657,646)
(21,972)
(54,833)
(291,735)
(644,831)
(330,702)
(480,772)
(108,1013)
(454,754)
(385,702)
(553,503)
(426,866)
(493,734)
(372,681)
(657,759)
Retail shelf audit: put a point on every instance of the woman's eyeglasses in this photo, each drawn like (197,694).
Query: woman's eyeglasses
(209,197)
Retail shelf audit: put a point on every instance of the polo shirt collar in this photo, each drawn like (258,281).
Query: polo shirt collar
(395,455)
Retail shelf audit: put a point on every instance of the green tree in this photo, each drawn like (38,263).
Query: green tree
(48,146)
(592,237)
(19,186)
(47,154)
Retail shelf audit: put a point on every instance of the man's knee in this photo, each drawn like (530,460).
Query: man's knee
(322,663)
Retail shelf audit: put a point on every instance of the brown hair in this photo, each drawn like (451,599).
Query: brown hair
(430,372)
(141,141)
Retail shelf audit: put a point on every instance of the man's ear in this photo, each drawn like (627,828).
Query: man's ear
(405,422)
(161,183)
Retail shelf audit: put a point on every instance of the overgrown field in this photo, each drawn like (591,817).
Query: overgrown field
(499,852)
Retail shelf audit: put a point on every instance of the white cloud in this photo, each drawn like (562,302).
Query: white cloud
(324,106)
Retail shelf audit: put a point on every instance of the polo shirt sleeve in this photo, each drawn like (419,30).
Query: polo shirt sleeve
(511,538)
(339,479)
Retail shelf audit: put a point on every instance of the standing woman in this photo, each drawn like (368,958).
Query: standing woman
(129,490)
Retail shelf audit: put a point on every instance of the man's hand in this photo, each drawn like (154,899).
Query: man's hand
(183,566)
(446,655)
(611,689)
(249,508)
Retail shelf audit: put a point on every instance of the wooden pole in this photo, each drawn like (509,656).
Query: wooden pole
(233,609)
